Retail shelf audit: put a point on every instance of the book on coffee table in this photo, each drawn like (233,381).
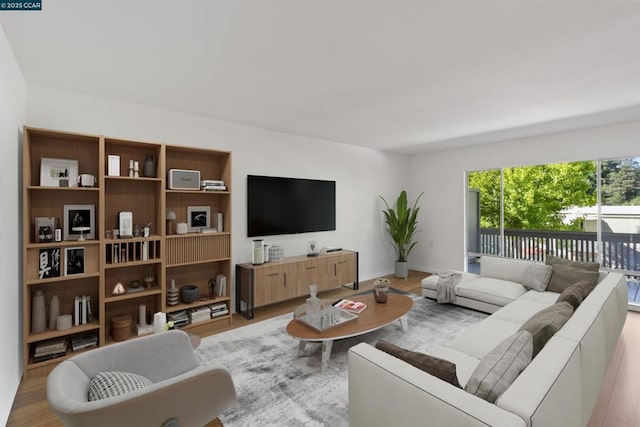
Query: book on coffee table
(352,306)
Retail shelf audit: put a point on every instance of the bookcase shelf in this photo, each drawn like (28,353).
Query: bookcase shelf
(50,334)
(193,258)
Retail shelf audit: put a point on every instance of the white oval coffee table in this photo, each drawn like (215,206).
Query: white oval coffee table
(374,317)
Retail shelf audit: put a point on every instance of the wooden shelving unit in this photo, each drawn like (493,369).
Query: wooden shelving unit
(194,258)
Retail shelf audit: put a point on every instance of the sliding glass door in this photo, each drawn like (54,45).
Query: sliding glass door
(619,221)
(583,211)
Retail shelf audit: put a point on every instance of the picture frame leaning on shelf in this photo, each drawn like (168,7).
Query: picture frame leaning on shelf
(78,216)
(74,261)
(198,217)
(58,172)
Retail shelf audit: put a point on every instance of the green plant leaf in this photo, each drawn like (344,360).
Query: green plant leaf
(402,225)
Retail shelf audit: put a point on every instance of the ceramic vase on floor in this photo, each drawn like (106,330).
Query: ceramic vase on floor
(402,269)
(38,316)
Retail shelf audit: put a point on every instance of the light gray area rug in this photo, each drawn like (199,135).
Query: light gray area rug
(276,387)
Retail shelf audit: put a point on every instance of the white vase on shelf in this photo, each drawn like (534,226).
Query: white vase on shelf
(54,312)
(38,315)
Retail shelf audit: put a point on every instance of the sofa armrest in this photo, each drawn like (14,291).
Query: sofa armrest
(208,389)
(384,390)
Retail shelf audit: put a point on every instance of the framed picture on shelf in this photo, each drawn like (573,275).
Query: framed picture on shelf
(49,263)
(58,172)
(198,217)
(44,226)
(73,261)
(125,224)
(79,222)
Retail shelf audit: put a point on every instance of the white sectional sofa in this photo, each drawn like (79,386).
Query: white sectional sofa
(559,387)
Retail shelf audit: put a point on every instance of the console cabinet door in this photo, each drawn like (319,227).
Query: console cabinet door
(311,276)
(345,270)
(336,270)
(269,285)
(326,272)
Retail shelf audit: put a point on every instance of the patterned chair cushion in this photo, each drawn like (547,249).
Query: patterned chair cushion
(114,383)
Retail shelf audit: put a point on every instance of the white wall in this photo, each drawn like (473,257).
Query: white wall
(361,174)
(441,175)
(12,117)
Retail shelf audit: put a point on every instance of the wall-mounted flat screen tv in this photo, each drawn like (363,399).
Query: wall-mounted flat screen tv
(277,205)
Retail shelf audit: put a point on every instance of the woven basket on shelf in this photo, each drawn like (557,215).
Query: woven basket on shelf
(121,327)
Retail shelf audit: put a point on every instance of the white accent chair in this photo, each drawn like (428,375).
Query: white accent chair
(184,393)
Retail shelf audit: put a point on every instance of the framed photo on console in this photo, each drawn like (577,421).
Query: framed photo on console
(77,218)
(198,217)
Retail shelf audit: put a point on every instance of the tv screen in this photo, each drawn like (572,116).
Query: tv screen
(278,205)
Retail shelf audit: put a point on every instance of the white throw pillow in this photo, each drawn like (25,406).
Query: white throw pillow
(114,383)
(537,277)
(499,369)
(511,270)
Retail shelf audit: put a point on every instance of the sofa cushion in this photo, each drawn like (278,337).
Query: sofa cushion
(490,290)
(465,364)
(545,323)
(478,340)
(115,383)
(435,366)
(520,310)
(575,293)
(537,277)
(511,270)
(498,369)
(567,272)
(546,297)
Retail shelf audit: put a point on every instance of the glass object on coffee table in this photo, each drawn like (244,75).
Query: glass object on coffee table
(328,317)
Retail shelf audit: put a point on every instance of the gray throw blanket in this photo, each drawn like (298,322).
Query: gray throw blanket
(447,281)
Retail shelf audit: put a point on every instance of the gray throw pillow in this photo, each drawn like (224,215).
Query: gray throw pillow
(435,366)
(567,272)
(499,369)
(575,293)
(537,277)
(545,323)
(115,383)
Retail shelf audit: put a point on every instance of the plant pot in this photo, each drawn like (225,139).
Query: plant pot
(402,269)
(380,293)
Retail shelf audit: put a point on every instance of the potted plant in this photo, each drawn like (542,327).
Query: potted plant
(381,289)
(401,226)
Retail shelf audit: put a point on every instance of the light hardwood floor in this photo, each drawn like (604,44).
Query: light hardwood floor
(617,406)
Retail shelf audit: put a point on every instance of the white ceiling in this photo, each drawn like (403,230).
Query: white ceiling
(394,75)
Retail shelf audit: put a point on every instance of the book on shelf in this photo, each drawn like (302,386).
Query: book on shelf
(82,310)
(351,306)
(50,350)
(84,341)
(219,313)
(52,346)
(219,306)
(179,318)
(42,358)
